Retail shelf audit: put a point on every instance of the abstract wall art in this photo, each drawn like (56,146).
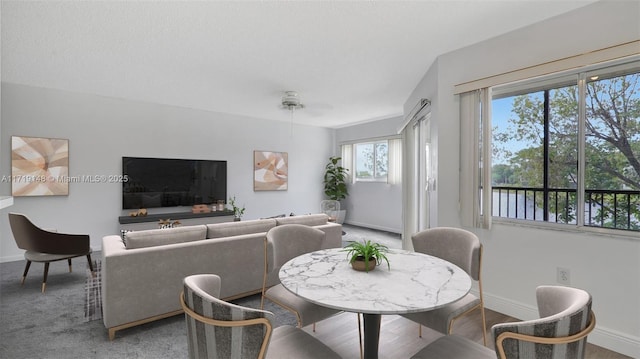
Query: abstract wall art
(270,171)
(39,166)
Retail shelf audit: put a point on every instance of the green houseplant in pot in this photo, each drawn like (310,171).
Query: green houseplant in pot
(335,182)
(237,211)
(366,255)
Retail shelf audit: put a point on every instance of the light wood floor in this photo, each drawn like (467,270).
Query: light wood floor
(399,336)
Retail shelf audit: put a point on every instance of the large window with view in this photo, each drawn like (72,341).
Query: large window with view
(567,149)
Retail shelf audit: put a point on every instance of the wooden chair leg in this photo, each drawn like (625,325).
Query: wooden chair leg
(46,274)
(26,270)
(484,326)
(419,330)
(70,269)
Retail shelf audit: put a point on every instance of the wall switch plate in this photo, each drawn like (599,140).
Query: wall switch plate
(563,276)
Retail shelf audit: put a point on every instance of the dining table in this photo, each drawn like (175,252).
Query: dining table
(412,282)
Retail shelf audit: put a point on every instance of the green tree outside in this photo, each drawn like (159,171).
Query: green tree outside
(612,145)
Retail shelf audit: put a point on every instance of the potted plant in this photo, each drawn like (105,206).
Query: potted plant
(367,255)
(237,211)
(335,183)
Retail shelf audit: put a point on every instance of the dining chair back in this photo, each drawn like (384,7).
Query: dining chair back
(47,246)
(219,329)
(560,333)
(283,243)
(454,245)
(462,248)
(288,241)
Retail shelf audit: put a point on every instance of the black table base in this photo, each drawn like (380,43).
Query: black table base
(371,335)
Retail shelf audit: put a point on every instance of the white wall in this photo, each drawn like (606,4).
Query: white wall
(517,259)
(102,130)
(373,204)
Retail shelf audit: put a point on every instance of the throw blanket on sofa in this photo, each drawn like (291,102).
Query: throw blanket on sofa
(93,293)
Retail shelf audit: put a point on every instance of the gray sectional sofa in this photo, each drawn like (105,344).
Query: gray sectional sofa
(142,271)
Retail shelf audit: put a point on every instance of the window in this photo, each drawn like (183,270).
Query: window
(372,161)
(566,149)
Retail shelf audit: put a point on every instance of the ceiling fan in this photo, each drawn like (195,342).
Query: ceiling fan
(291,101)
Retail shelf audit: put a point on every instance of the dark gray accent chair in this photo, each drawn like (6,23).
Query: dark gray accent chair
(47,246)
(561,332)
(462,248)
(219,329)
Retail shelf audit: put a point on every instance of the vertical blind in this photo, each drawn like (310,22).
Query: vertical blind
(475,158)
(347,161)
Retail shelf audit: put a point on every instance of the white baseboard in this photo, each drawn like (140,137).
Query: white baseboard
(601,336)
(373,226)
(11,258)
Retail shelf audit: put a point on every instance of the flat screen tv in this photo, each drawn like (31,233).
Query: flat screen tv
(166,182)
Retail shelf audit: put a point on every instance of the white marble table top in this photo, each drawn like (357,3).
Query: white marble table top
(415,283)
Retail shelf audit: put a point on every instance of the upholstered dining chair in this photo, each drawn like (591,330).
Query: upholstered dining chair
(218,329)
(560,333)
(47,246)
(283,243)
(463,249)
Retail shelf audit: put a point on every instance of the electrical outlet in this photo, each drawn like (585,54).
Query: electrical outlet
(563,276)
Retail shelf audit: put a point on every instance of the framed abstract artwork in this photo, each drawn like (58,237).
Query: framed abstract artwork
(270,171)
(39,166)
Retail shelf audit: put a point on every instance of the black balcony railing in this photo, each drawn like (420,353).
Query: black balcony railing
(619,209)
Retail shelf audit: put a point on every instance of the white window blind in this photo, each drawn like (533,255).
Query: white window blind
(475,159)
(394,175)
(347,160)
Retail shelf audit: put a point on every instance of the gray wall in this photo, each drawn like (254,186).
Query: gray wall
(373,204)
(102,130)
(518,258)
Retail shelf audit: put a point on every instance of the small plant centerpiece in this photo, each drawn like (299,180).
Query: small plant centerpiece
(365,256)
(237,211)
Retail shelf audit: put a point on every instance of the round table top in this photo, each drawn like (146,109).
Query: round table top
(416,282)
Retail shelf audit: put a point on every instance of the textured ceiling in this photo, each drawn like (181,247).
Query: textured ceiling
(350,61)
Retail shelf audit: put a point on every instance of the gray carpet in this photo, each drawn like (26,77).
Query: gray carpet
(52,325)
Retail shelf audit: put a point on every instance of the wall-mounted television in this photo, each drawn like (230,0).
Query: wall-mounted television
(167,182)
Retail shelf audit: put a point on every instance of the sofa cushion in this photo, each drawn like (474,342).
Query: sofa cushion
(309,220)
(159,237)
(229,229)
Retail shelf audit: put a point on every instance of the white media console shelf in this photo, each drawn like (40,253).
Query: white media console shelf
(152,221)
